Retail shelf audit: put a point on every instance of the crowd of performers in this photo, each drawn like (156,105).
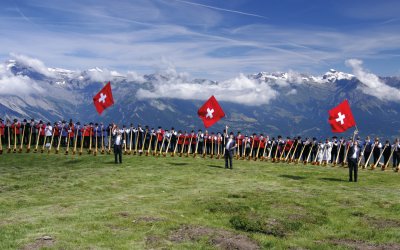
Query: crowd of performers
(39,136)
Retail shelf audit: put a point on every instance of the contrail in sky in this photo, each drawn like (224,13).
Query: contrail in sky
(221,9)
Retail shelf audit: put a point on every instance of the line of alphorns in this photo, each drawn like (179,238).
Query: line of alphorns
(280,155)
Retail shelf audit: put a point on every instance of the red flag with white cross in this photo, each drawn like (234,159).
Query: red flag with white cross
(103,99)
(210,112)
(341,118)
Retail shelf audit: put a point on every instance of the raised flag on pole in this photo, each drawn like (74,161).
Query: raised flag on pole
(103,99)
(210,112)
(341,118)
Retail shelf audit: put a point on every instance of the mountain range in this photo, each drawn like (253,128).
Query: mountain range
(287,104)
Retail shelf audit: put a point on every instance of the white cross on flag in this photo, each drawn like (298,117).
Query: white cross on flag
(103,99)
(210,112)
(341,117)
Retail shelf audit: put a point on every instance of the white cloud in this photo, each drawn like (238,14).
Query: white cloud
(238,90)
(135,77)
(102,75)
(33,63)
(372,84)
(292,92)
(11,84)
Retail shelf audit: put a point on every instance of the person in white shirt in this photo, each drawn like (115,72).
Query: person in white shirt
(48,131)
(118,143)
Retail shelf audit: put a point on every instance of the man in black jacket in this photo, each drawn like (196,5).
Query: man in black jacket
(229,147)
(352,158)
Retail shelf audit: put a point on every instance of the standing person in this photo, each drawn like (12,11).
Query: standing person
(386,152)
(352,158)
(118,143)
(396,153)
(230,146)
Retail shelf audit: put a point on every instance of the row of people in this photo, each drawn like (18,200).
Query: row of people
(15,135)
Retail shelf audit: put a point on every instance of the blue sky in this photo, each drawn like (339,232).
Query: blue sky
(210,39)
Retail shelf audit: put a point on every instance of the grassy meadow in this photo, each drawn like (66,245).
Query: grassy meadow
(88,202)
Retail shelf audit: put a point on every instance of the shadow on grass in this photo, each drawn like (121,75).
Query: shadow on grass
(215,166)
(331,179)
(72,162)
(178,163)
(292,177)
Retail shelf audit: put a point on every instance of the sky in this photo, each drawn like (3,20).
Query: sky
(216,39)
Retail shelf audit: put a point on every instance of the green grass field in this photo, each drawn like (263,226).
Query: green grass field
(88,202)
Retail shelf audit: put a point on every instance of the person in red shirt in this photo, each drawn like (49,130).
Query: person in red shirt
(41,131)
(2,134)
(15,129)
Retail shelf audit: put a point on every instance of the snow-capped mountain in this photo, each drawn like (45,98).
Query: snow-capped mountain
(285,103)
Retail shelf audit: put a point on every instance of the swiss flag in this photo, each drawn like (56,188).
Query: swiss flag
(103,99)
(341,118)
(210,112)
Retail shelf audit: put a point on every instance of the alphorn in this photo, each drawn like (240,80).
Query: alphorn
(137,141)
(162,145)
(102,141)
(345,155)
(197,146)
(362,153)
(218,148)
(204,146)
(316,156)
(51,141)
(75,142)
(265,150)
(168,145)
(130,140)
(283,151)
(338,153)
(251,150)
(1,146)
(149,147)
(275,159)
(176,147)
(183,146)
(244,149)
(293,153)
(238,150)
(68,140)
(391,155)
(379,158)
(212,147)
(301,154)
(143,141)
(383,167)
(44,142)
(37,141)
(59,140)
(369,157)
(125,150)
(258,150)
(270,150)
(30,140)
(90,140)
(22,139)
(95,146)
(309,154)
(82,139)
(9,140)
(156,146)
(322,158)
(189,146)
(15,139)
(109,142)
(287,158)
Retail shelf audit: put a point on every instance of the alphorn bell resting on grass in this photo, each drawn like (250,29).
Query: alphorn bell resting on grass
(270,149)
(76,131)
(8,125)
(252,139)
(37,139)
(275,159)
(296,161)
(1,135)
(190,144)
(137,141)
(376,152)
(369,157)
(68,141)
(14,128)
(345,155)
(287,158)
(130,138)
(212,146)
(338,153)
(197,145)
(109,138)
(169,136)
(149,147)
(176,144)
(124,133)
(22,138)
(264,142)
(258,146)
(28,149)
(60,128)
(83,138)
(183,145)
(379,158)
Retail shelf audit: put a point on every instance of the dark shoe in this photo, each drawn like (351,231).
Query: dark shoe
(350,180)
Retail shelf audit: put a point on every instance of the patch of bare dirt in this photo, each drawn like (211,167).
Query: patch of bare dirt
(363,245)
(42,242)
(124,214)
(219,238)
(382,223)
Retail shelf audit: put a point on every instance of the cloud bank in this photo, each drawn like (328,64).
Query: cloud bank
(240,90)
(372,84)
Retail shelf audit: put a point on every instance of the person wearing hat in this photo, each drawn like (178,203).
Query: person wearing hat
(396,154)
(26,129)
(15,129)
(229,147)
(118,143)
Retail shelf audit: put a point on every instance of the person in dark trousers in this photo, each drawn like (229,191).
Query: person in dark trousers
(352,158)
(229,147)
(118,143)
